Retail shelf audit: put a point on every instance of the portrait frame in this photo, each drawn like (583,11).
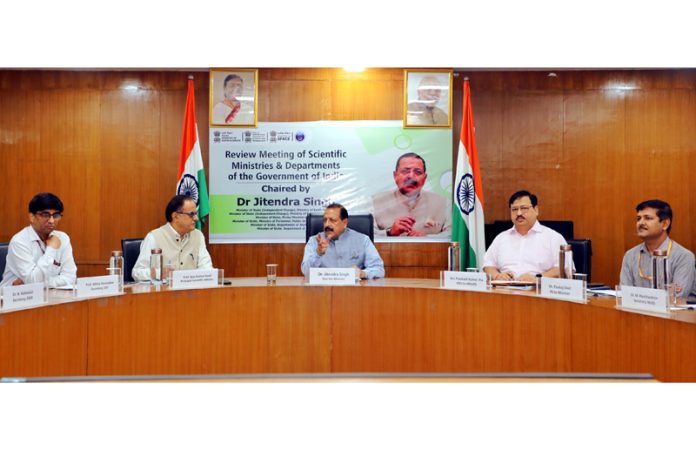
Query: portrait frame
(241,112)
(422,108)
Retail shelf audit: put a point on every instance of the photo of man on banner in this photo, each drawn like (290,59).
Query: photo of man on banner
(408,210)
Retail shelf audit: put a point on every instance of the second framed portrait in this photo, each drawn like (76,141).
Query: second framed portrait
(427,98)
(233,97)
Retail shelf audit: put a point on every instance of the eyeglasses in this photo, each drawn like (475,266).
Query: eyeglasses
(523,209)
(190,214)
(45,215)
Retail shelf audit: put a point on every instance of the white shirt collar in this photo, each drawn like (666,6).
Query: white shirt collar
(537,228)
(34,236)
(175,234)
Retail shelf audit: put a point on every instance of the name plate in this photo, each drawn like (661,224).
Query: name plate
(332,276)
(644,299)
(465,281)
(97,286)
(563,289)
(190,279)
(22,296)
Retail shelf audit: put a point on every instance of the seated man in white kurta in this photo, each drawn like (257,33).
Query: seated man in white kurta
(183,246)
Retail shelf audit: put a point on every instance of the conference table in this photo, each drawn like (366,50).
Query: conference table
(387,325)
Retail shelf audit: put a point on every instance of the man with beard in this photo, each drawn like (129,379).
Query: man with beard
(528,248)
(39,252)
(425,111)
(408,210)
(339,246)
(653,224)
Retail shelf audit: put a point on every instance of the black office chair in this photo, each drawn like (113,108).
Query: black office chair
(131,251)
(4,247)
(363,223)
(582,256)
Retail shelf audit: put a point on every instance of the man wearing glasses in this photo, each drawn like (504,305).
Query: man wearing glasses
(183,246)
(527,248)
(653,224)
(40,253)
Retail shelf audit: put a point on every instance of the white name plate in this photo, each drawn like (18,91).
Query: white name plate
(644,299)
(97,286)
(465,281)
(332,276)
(189,279)
(22,296)
(563,289)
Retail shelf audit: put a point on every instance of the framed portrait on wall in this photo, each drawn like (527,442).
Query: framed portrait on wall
(233,97)
(427,98)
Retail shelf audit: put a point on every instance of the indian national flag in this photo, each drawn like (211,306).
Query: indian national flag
(191,174)
(467,205)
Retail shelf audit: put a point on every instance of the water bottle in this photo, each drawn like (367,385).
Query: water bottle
(660,272)
(156,265)
(565,262)
(116,262)
(453,257)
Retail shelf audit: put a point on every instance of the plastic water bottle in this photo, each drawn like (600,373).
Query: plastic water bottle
(156,265)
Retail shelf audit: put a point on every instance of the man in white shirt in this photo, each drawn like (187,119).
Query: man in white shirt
(183,246)
(39,252)
(527,248)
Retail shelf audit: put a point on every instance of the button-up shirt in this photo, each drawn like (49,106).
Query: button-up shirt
(535,252)
(350,249)
(29,259)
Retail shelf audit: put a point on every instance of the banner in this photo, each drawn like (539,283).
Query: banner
(264,181)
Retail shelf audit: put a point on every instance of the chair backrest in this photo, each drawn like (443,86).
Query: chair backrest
(4,247)
(582,256)
(131,251)
(363,223)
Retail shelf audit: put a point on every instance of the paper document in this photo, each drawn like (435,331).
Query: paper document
(602,292)
(67,287)
(509,283)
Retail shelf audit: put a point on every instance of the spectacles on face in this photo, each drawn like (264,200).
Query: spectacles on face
(45,215)
(524,209)
(190,214)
